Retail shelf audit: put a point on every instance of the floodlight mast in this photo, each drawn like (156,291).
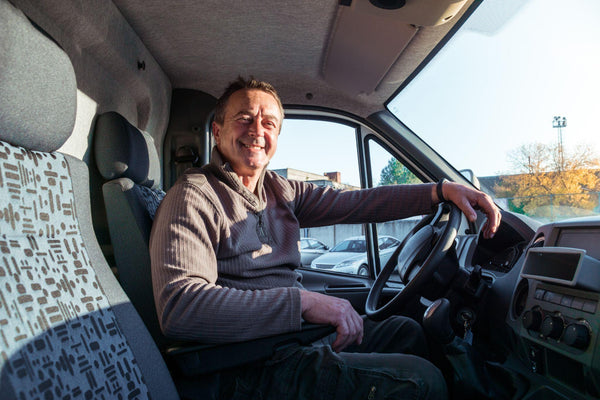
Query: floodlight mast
(560,122)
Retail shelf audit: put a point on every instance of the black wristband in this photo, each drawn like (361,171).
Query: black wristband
(439,191)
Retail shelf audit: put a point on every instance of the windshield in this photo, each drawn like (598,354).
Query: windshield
(513,97)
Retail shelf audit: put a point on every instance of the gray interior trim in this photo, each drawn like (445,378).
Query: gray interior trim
(37,84)
(114,69)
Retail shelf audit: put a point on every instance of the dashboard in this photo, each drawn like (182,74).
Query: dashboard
(555,312)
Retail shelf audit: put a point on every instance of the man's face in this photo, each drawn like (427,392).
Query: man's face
(247,138)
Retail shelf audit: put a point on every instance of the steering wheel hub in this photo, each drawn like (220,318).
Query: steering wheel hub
(417,259)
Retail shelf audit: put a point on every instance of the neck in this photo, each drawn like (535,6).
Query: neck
(250,182)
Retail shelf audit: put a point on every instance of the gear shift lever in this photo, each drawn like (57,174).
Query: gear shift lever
(471,379)
(436,321)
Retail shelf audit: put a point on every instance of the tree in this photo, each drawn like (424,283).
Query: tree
(395,173)
(548,184)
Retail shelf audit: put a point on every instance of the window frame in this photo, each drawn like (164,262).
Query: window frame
(364,133)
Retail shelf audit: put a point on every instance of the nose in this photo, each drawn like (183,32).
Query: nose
(256,128)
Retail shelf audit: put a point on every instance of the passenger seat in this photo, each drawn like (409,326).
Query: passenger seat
(67,330)
(128,159)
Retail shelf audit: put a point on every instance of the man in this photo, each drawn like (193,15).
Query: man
(224,249)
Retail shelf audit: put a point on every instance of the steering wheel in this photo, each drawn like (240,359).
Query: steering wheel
(417,258)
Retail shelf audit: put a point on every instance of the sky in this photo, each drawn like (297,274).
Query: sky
(489,91)
(495,91)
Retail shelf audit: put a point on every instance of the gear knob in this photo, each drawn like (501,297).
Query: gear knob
(436,321)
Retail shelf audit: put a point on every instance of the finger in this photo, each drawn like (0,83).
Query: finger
(361,331)
(495,224)
(493,221)
(492,224)
(467,209)
(343,339)
(355,322)
(349,332)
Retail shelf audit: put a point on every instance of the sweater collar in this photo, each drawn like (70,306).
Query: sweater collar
(224,169)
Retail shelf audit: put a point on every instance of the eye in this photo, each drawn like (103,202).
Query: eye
(245,119)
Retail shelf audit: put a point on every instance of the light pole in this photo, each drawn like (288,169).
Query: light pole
(559,123)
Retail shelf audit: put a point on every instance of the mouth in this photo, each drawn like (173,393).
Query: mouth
(253,146)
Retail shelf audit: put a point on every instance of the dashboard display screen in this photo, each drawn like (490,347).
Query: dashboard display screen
(587,239)
(554,264)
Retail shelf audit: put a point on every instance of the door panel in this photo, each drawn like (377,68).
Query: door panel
(353,289)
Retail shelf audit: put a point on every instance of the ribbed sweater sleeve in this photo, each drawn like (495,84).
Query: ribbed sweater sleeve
(321,206)
(191,305)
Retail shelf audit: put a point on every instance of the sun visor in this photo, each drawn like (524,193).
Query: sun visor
(367,39)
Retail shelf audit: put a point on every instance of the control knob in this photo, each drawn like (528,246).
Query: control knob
(577,335)
(552,326)
(532,319)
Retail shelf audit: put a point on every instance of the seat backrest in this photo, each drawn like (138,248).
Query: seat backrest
(67,330)
(127,158)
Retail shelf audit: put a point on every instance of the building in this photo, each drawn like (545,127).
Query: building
(333,179)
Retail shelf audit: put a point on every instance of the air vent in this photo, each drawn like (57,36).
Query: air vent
(538,242)
(520,299)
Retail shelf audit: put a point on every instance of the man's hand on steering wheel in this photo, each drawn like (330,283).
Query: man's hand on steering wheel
(419,255)
(468,200)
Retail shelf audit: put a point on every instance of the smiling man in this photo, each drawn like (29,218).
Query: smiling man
(246,131)
(224,250)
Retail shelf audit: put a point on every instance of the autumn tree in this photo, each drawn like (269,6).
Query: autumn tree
(395,173)
(549,182)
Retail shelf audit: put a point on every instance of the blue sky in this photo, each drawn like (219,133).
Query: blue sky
(498,90)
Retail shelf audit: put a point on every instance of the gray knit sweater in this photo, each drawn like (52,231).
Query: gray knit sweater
(224,259)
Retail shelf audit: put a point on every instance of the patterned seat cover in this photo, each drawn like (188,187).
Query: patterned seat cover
(58,334)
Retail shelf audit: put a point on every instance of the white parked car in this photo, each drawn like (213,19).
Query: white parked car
(350,255)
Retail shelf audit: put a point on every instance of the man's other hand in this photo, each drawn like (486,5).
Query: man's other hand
(469,200)
(321,309)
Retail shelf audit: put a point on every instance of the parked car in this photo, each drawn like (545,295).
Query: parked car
(310,249)
(350,256)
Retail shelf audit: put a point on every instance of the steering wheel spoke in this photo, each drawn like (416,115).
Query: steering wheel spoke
(416,260)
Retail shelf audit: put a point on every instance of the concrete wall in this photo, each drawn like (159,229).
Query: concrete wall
(333,234)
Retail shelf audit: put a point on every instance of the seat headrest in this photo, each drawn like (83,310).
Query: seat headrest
(38,89)
(123,151)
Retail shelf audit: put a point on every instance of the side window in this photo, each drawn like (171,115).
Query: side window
(324,153)
(388,170)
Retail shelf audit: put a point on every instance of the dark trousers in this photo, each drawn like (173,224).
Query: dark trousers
(389,364)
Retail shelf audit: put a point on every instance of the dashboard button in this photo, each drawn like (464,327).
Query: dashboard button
(556,298)
(589,306)
(552,326)
(532,319)
(577,304)
(548,296)
(566,301)
(577,335)
(539,294)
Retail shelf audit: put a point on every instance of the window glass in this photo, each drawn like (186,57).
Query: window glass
(513,96)
(388,170)
(324,153)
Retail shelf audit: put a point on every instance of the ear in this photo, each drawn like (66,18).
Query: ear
(216,131)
